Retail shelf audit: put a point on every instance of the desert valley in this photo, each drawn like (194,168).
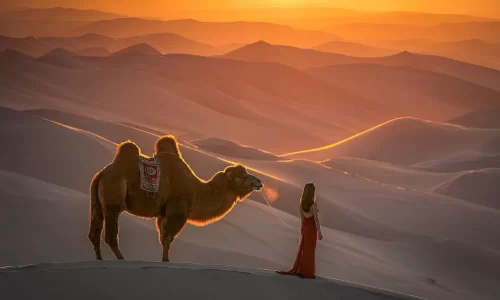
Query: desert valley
(397,122)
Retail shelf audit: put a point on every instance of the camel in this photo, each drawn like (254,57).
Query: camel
(182,196)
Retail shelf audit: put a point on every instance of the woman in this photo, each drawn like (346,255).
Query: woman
(305,262)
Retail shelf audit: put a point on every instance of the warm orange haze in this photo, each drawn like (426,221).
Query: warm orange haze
(226,8)
(194,148)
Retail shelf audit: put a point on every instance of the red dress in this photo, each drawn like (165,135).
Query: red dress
(305,262)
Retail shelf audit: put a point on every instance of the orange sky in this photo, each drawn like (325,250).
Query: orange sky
(160,8)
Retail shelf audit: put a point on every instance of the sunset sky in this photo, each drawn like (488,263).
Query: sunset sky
(160,8)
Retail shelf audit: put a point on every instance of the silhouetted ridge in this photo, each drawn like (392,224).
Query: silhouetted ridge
(262,51)
(141,48)
(59,52)
(62,58)
(15,55)
(96,38)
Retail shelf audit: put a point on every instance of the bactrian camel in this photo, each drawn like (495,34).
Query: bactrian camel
(182,196)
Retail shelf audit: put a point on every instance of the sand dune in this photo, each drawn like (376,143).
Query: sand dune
(454,257)
(215,282)
(370,261)
(36,139)
(203,164)
(262,250)
(232,149)
(477,74)
(479,187)
(389,203)
(405,141)
(353,204)
(51,209)
(422,94)
(486,118)
(387,173)
(308,58)
(183,90)
(458,162)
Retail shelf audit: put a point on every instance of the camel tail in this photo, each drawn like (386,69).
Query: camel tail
(95,205)
(168,144)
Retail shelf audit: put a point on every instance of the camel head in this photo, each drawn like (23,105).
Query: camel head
(240,182)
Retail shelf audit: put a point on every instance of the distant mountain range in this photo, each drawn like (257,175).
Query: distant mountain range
(443,32)
(462,37)
(308,58)
(428,94)
(353,49)
(56,14)
(342,99)
(252,97)
(58,21)
(164,42)
(214,33)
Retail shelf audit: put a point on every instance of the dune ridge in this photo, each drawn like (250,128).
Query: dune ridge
(405,141)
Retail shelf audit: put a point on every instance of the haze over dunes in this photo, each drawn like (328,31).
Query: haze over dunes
(164,42)
(240,93)
(422,93)
(308,58)
(353,49)
(214,33)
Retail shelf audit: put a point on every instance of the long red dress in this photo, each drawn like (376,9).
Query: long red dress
(305,261)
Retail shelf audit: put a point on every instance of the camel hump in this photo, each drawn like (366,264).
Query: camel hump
(127,150)
(167,144)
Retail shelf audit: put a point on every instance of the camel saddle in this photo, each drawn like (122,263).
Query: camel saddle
(149,170)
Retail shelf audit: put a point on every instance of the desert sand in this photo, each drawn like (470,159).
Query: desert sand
(176,279)
(374,244)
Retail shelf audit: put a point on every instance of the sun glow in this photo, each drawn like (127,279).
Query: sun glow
(270,194)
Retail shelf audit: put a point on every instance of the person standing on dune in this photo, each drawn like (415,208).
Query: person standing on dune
(305,261)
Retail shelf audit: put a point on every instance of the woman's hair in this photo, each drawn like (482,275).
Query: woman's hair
(308,197)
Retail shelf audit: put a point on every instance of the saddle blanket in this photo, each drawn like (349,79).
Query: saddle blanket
(149,169)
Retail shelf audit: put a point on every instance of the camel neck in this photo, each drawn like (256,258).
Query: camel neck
(211,204)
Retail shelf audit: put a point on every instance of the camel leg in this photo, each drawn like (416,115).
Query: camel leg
(111,217)
(169,228)
(96,222)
